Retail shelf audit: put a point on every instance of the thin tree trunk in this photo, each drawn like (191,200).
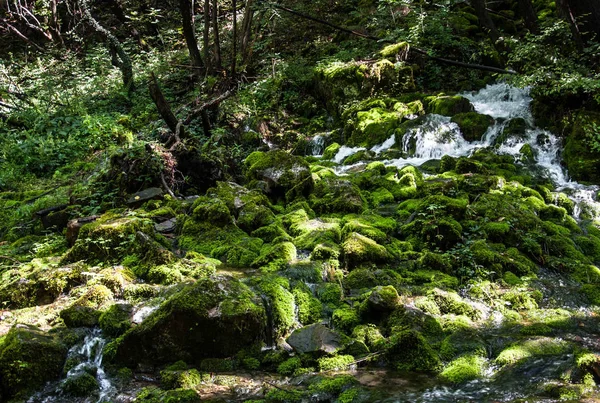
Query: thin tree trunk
(207,35)
(164,109)
(215,22)
(484,19)
(123,61)
(187,14)
(247,30)
(529,16)
(234,56)
(565,12)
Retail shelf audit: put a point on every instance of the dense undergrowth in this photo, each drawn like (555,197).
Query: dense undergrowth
(448,270)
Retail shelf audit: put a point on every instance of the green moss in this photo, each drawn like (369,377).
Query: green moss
(409,351)
(115,320)
(463,369)
(217,365)
(382,300)
(310,233)
(155,395)
(334,195)
(448,105)
(28,359)
(358,249)
(381,196)
(229,244)
(271,232)
(473,125)
(582,161)
(370,335)
(289,366)
(392,50)
(532,348)
(80,316)
(284,252)
(80,385)
(451,302)
(345,319)
(212,210)
(280,301)
(285,177)
(109,238)
(337,363)
(230,315)
(309,308)
(180,378)
(363,227)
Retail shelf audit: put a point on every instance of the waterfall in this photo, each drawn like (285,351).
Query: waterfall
(89,355)
(438,136)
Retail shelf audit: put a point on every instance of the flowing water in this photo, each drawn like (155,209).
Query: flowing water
(88,354)
(438,136)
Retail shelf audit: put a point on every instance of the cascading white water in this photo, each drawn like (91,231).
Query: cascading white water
(89,355)
(91,349)
(317,146)
(345,152)
(438,136)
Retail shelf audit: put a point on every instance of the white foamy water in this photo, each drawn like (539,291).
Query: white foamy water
(344,152)
(438,136)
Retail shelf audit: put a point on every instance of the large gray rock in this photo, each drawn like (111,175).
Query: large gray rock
(315,338)
(147,194)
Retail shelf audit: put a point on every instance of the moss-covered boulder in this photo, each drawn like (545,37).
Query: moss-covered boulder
(358,249)
(408,350)
(80,385)
(211,318)
(582,160)
(29,358)
(280,175)
(111,238)
(38,283)
(80,316)
(116,320)
(472,125)
(334,195)
(448,105)
(316,338)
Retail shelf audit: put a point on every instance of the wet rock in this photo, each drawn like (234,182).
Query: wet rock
(213,318)
(282,176)
(315,338)
(166,227)
(29,358)
(139,198)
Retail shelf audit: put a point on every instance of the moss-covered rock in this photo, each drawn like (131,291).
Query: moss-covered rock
(80,316)
(80,385)
(28,359)
(463,369)
(409,351)
(532,348)
(283,252)
(316,338)
(448,105)
(358,249)
(382,300)
(473,125)
(110,238)
(582,161)
(116,320)
(211,318)
(280,303)
(334,195)
(282,176)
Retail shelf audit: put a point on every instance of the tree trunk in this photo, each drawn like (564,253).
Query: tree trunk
(207,35)
(187,14)
(587,17)
(564,11)
(529,16)
(247,30)
(121,59)
(215,22)
(484,19)
(234,55)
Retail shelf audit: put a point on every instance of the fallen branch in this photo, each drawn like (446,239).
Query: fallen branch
(208,104)
(373,38)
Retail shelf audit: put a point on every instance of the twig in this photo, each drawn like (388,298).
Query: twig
(215,101)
